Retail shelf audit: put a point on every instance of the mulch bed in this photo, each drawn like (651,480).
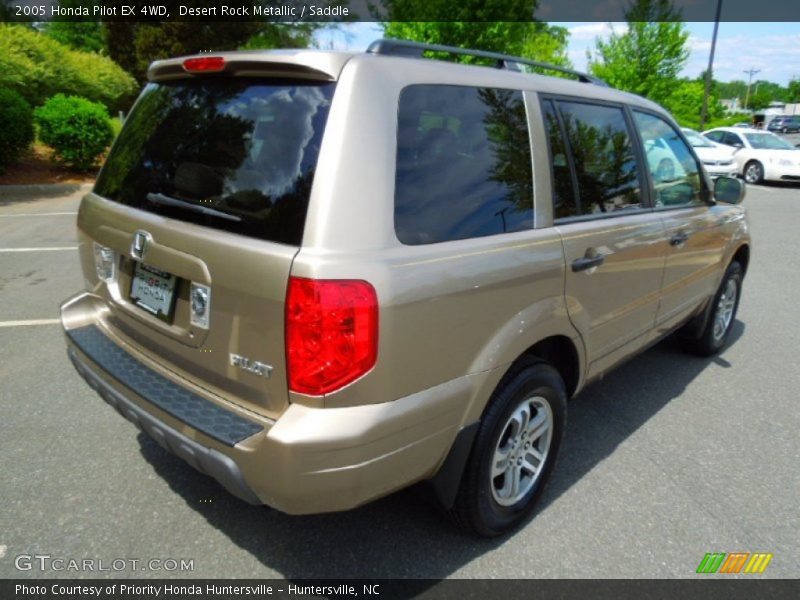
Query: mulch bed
(36,167)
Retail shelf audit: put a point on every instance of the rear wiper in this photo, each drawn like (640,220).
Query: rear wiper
(162,200)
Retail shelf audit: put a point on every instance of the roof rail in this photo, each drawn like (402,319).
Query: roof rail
(408,49)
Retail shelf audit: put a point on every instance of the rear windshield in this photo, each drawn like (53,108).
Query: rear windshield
(233,154)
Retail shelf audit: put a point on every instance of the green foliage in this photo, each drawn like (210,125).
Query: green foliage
(686,102)
(136,44)
(78,130)
(464,11)
(86,36)
(282,35)
(761,92)
(74,32)
(16,126)
(793,90)
(456,25)
(37,66)
(648,58)
(116,125)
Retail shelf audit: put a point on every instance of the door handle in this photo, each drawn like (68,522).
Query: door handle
(679,239)
(587,262)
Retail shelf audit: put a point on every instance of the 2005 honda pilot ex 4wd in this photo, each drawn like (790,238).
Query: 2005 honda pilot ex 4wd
(320,277)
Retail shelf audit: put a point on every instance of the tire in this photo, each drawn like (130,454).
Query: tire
(490,506)
(754,172)
(723,314)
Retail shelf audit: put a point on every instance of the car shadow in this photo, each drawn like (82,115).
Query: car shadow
(405,530)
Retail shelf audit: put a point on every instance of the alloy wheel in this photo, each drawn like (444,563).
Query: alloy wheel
(521,451)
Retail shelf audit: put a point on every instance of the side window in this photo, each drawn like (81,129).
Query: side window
(563,191)
(731,139)
(715,136)
(463,164)
(603,158)
(674,169)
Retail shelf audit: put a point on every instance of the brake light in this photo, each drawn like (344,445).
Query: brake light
(331,333)
(204,64)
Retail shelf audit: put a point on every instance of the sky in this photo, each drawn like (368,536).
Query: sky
(771,48)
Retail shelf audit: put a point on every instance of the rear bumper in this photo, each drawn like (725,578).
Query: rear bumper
(204,459)
(309,460)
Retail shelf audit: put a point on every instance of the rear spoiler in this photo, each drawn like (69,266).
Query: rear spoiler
(303,64)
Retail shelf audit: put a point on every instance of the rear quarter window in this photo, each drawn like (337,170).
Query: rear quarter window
(237,154)
(463,164)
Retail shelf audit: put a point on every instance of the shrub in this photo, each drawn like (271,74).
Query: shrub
(37,66)
(16,126)
(78,130)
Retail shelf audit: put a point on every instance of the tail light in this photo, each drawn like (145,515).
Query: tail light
(331,333)
(204,64)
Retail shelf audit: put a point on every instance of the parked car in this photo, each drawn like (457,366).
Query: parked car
(785,124)
(717,158)
(320,277)
(760,155)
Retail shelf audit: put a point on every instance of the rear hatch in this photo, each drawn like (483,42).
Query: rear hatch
(203,198)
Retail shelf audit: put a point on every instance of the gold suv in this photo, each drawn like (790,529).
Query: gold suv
(320,277)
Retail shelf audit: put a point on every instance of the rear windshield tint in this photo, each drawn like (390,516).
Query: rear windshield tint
(233,154)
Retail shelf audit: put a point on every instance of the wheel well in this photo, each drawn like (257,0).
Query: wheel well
(560,352)
(742,256)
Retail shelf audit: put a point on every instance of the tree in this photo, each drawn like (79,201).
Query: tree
(733,89)
(37,66)
(78,35)
(505,26)
(686,101)
(793,91)
(135,44)
(649,56)
(75,32)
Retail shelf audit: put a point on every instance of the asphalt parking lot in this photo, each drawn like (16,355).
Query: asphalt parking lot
(670,457)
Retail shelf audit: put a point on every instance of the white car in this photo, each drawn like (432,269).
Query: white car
(759,154)
(717,158)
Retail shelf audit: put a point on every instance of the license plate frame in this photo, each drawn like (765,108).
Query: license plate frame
(153,291)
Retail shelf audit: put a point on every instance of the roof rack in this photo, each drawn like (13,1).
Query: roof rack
(408,49)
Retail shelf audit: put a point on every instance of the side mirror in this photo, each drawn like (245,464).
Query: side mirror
(728,190)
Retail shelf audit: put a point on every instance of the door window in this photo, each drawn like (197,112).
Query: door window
(674,170)
(603,159)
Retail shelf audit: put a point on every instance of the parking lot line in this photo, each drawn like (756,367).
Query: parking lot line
(29,322)
(41,249)
(50,214)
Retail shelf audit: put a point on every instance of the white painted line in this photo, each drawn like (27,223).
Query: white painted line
(52,214)
(42,249)
(29,322)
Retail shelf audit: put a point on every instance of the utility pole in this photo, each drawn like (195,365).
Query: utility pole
(750,72)
(709,71)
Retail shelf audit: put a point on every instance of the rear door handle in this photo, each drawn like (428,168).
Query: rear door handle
(587,262)
(679,239)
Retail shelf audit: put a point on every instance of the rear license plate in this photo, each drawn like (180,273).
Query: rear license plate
(153,290)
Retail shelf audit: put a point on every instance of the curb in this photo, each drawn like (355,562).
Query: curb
(52,190)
